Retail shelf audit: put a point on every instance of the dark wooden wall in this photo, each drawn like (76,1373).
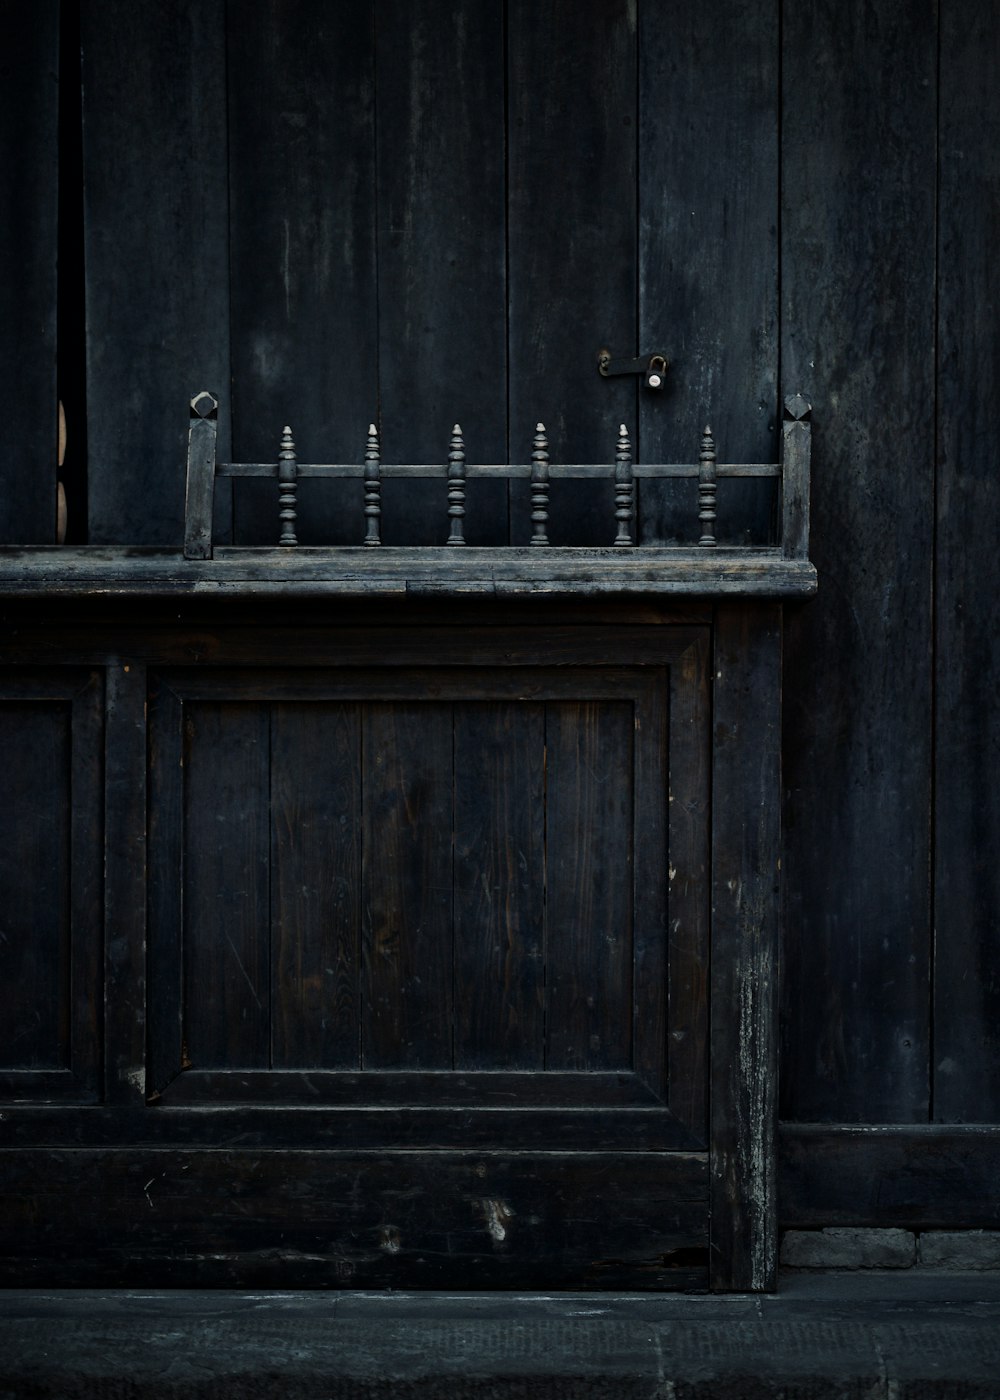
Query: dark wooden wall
(323,226)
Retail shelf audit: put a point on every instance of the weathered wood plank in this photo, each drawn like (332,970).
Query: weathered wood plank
(407,974)
(571,249)
(966,1084)
(590,848)
(254,1219)
(442,352)
(155,177)
(304,281)
(499,885)
(746,860)
(708,252)
(689,898)
(226,955)
(922,1177)
(29,193)
(124,1010)
(35,1005)
(858,265)
(315,885)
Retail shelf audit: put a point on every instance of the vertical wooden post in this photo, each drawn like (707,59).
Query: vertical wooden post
(199,495)
(287,489)
(746,831)
(624,490)
(540,487)
(707,489)
(373,488)
(125,882)
(796,450)
(456,487)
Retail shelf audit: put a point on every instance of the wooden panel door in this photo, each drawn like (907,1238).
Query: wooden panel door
(428,911)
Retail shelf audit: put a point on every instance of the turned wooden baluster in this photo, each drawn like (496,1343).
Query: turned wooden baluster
(624,490)
(456,486)
(287,488)
(540,488)
(707,489)
(373,488)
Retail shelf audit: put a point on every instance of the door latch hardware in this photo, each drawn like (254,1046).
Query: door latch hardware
(652,367)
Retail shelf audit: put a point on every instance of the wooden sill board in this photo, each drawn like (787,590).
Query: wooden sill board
(96,570)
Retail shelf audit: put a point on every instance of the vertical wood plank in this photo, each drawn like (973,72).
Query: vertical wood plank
(86,885)
(35,738)
(746,849)
(653,861)
(315,885)
(125,882)
(154,85)
(689,903)
(589,865)
(441,263)
(304,285)
(572,248)
(407,976)
(165,953)
(29,191)
(858,263)
(499,885)
(708,253)
(966,1083)
(226,953)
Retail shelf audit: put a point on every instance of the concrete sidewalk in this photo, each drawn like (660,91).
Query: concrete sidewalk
(823,1335)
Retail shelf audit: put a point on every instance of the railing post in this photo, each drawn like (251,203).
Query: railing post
(796,452)
(624,490)
(199,494)
(456,487)
(287,489)
(707,486)
(373,488)
(540,488)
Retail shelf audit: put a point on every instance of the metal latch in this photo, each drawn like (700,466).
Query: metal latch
(653,367)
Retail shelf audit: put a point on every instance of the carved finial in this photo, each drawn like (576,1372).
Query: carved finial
(540,487)
(624,490)
(456,486)
(204,405)
(287,471)
(797,407)
(373,488)
(707,489)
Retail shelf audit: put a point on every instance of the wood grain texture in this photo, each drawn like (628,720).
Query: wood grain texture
(746,861)
(226,955)
(689,907)
(858,163)
(920,1177)
(441,256)
(407,978)
(504,1220)
(315,800)
(966,1070)
(589,836)
(35,987)
(572,248)
(124,1010)
(302,253)
(29,192)
(499,919)
(708,253)
(155,175)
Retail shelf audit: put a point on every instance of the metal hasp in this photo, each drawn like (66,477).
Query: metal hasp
(654,367)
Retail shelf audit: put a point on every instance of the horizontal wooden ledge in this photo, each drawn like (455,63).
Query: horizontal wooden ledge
(402,571)
(557,471)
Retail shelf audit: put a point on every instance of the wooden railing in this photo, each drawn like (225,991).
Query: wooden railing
(791,473)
